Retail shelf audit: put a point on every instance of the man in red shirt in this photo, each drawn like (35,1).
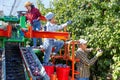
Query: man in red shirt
(33,17)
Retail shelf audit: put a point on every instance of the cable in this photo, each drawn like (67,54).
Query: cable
(2,4)
(12,7)
(17,5)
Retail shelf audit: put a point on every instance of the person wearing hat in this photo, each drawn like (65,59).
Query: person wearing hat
(50,43)
(33,17)
(84,64)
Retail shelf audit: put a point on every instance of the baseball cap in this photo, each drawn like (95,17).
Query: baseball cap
(82,41)
(49,15)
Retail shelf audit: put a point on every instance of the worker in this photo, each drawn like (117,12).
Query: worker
(33,17)
(84,64)
(49,43)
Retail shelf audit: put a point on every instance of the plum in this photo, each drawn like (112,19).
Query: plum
(36,71)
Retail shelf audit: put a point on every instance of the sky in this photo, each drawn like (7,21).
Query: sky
(6,5)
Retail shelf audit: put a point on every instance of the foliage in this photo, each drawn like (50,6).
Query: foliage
(98,21)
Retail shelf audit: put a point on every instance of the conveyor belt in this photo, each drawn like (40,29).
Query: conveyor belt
(35,68)
(14,64)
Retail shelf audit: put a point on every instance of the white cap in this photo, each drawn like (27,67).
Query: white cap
(82,41)
(49,15)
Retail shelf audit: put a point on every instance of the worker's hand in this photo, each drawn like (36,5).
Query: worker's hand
(25,29)
(27,45)
(90,49)
(99,53)
(35,20)
(69,22)
(28,22)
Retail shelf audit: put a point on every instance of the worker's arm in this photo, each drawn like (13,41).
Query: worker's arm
(88,50)
(60,27)
(37,12)
(84,58)
(40,17)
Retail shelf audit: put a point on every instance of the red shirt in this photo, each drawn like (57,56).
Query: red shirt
(33,14)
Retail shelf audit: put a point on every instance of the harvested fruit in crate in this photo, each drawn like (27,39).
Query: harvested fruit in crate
(49,68)
(62,71)
(62,65)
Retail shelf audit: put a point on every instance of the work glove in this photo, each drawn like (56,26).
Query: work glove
(69,22)
(99,53)
(91,49)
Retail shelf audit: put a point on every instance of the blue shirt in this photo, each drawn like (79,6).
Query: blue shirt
(52,28)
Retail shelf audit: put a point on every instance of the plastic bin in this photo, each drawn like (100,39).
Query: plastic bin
(49,70)
(62,72)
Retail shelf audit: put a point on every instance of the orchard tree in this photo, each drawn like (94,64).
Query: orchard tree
(98,21)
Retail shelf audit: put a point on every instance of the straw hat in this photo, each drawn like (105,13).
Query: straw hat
(28,3)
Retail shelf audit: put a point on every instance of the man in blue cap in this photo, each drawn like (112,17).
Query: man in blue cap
(50,43)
